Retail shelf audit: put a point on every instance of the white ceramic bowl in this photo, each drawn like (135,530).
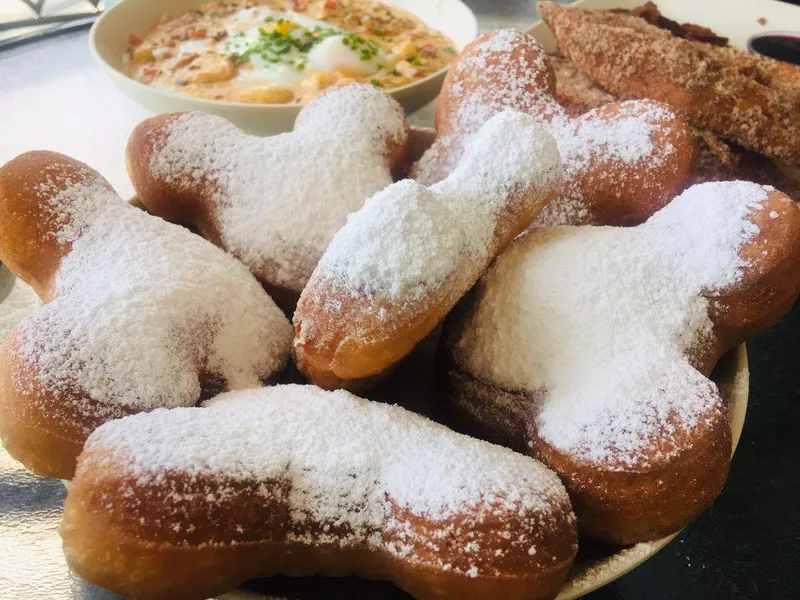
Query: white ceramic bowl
(109,42)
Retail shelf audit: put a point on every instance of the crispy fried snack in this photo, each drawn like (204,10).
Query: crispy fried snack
(717,160)
(401,262)
(139,313)
(628,323)
(186,504)
(622,162)
(712,87)
(275,202)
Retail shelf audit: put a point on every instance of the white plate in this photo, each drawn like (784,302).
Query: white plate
(109,42)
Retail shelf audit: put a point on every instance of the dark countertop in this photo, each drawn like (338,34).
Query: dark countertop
(746,546)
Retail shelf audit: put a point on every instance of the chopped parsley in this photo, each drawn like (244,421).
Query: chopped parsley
(281,41)
(414,61)
(274,44)
(367,48)
(376,83)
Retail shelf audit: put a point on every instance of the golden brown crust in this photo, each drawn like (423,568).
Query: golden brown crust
(612,506)
(628,505)
(34,428)
(44,432)
(351,338)
(510,70)
(192,531)
(194,199)
(109,549)
(717,160)
(28,244)
(56,377)
(633,59)
(770,284)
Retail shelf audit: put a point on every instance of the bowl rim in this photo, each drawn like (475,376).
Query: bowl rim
(114,72)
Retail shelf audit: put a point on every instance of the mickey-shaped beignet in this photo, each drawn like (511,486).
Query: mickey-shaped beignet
(191,502)
(274,202)
(590,348)
(400,264)
(622,162)
(139,313)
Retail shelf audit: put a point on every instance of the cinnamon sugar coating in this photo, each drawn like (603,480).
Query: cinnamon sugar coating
(712,87)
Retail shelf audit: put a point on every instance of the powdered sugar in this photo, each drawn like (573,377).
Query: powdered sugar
(508,69)
(143,307)
(593,144)
(408,239)
(347,461)
(601,320)
(279,200)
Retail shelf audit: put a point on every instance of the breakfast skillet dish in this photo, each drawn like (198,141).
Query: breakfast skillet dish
(284,51)
(588,275)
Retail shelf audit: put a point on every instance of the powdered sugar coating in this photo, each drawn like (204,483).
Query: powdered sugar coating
(508,69)
(613,315)
(279,200)
(408,239)
(143,308)
(347,461)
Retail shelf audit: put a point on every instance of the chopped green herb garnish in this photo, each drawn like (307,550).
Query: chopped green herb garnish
(273,45)
(375,82)
(414,61)
(394,72)
(367,48)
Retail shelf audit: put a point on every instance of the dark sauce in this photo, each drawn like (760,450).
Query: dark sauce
(780,46)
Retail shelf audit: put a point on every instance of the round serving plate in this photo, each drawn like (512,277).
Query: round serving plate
(108,41)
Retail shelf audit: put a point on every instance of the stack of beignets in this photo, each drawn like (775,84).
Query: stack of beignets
(273,202)
(189,503)
(139,313)
(586,347)
(590,347)
(622,162)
